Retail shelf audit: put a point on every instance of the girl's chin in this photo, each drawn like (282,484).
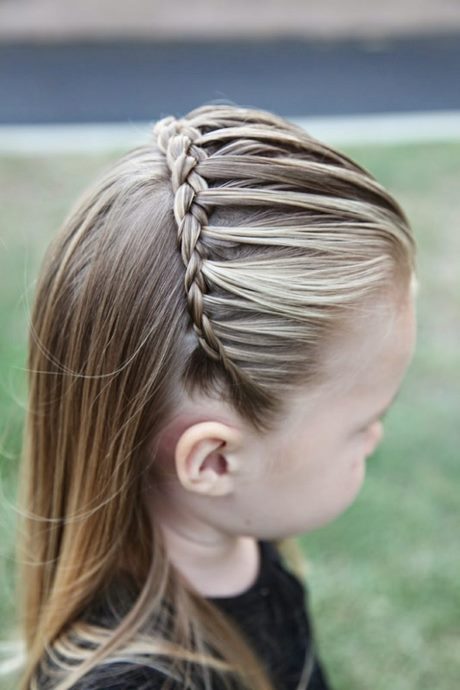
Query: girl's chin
(358,481)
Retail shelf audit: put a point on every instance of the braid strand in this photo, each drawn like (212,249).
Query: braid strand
(176,138)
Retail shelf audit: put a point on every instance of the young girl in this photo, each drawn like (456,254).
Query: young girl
(217,331)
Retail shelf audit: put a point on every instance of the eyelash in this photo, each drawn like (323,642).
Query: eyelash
(363,430)
(380,419)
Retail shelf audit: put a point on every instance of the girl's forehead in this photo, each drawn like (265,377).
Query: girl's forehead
(374,348)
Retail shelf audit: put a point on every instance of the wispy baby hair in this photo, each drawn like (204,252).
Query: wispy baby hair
(219,257)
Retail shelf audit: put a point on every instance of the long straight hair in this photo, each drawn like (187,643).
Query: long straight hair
(218,257)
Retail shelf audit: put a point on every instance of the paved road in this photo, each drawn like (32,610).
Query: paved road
(132,81)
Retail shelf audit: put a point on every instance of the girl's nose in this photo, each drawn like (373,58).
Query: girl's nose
(374,438)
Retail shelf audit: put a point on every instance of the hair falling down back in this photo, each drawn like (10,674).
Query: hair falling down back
(218,258)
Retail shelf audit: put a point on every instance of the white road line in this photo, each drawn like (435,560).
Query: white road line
(336,130)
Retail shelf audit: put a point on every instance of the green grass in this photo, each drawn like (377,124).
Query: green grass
(384,576)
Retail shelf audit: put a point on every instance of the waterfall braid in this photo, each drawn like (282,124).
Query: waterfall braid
(178,141)
(183,156)
(220,257)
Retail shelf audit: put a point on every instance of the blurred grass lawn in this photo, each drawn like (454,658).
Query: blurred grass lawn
(384,582)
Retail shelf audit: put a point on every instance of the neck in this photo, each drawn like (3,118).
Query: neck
(216,564)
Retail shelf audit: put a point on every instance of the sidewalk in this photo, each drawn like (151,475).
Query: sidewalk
(46,20)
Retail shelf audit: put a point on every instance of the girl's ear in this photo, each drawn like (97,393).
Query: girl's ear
(206,458)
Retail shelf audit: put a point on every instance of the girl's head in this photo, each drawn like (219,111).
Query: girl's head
(216,329)
(308,469)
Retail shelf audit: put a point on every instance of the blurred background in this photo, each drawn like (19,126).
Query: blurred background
(81,83)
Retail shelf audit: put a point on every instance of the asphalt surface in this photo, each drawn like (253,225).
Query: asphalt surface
(138,81)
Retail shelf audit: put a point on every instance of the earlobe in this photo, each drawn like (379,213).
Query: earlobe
(205,457)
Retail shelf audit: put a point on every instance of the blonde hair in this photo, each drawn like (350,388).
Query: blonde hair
(218,257)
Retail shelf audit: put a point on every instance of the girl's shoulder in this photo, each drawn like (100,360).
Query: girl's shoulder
(111,675)
(277,601)
(132,676)
(125,676)
(275,604)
